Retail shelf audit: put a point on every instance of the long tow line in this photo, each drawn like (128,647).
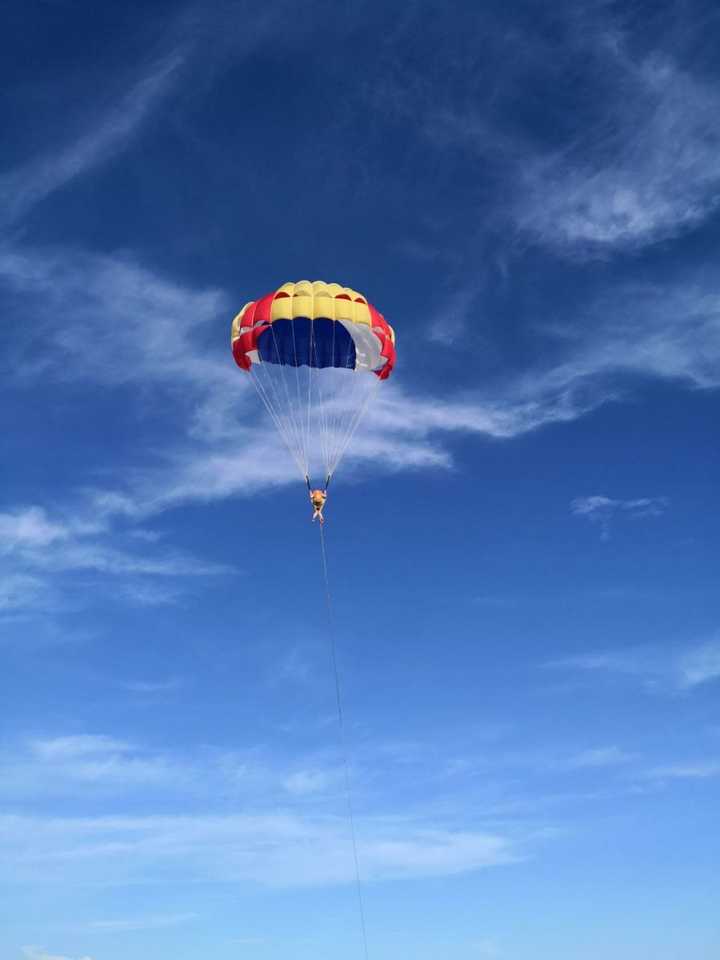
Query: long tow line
(343,740)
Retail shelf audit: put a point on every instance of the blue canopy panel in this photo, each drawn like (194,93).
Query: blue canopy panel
(304,342)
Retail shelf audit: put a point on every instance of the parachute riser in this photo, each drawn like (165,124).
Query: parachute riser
(328,478)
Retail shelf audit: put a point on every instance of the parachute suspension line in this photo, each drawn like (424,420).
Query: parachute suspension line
(267,380)
(263,379)
(343,741)
(291,416)
(340,417)
(322,408)
(364,393)
(301,419)
(335,411)
(268,389)
(274,415)
(309,380)
(332,414)
(325,405)
(316,420)
(354,424)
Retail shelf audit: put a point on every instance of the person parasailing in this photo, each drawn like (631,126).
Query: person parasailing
(317,499)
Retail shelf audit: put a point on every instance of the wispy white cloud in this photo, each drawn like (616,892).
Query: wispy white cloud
(153,687)
(122,323)
(640,507)
(90,766)
(203,44)
(22,591)
(39,953)
(81,745)
(46,553)
(648,170)
(295,667)
(628,661)
(601,510)
(670,669)
(29,527)
(92,762)
(700,665)
(601,757)
(701,770)
(26,186)
(158,922)
(80,542)
(632,164)
(666,330)
(105,559)
(276,849)
(144,593)
(486,948)
(264,843)
(302,783)
(460,306)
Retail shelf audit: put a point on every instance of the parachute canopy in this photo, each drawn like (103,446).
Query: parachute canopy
(314,324)
(333,338)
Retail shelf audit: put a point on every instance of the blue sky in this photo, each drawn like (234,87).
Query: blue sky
(523,541)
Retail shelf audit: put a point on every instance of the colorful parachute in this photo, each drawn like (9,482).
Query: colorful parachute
(309,348)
